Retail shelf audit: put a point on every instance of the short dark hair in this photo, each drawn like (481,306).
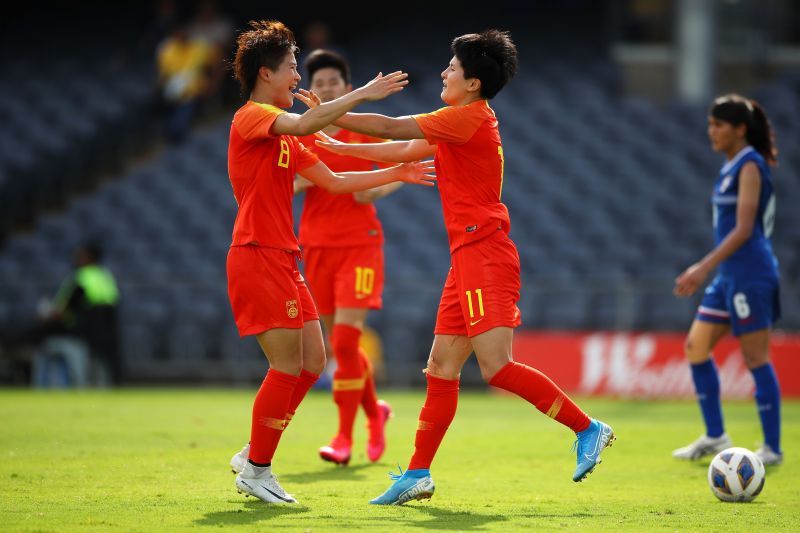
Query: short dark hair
(736,109)
(321,58)
(265,44)
(490,56)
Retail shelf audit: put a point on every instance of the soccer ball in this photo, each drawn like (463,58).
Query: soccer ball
(736,475)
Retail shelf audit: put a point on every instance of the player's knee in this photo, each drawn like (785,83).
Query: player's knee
(315,364)
(694,352)
(288,366)
(688,346)
(441,369)
(490,368)
(755,359)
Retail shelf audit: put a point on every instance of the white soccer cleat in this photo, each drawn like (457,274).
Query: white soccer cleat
(262,483)
(703,447)
(240,459)
(768,456)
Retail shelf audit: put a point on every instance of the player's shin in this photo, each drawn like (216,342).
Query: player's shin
(538,389)
(438,412)
(369,400)
(305,381)
(706,384)
(768,400)
(348,380)
(269,415)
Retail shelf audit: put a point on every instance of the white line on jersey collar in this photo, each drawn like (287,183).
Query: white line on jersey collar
(729,165)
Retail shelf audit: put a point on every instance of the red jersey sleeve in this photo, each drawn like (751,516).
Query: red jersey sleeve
(305,157)
(255,121)
(451,124)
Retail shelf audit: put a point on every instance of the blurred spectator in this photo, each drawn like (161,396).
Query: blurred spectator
(184,66)
(212,27)
(78,331)
(316,35)
(216,31)
(164,18)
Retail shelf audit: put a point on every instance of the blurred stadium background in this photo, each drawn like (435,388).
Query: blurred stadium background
(608,169)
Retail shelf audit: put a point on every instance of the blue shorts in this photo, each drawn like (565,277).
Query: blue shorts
(746,305)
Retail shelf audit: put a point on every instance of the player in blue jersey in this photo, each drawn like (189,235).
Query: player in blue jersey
(743,297)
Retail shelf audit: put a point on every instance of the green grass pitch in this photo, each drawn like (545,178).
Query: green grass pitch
(157,460)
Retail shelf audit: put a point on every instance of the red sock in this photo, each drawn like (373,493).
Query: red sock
(369,400)
(305,381)
(434,419)
(539,390)
(348,380)
(269,415)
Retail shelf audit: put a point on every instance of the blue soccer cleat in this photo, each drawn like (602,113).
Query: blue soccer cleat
(590,444)
(407,486)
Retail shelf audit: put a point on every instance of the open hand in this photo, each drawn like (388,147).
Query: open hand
(382,86)
(418,172)
(690,280)
(329,143)
(309,98)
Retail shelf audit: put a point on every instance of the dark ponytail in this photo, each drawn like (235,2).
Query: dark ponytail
(736,110)
(760,134)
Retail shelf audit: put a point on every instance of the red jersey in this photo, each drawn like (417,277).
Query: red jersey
(261,167)
(469,168)
(337,220)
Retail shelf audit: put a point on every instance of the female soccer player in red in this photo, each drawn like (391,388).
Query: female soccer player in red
(342,243)
(743,298)
(268,295)
(478,310)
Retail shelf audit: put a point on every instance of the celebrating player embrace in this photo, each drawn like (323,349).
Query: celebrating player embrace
(268,295)
(478,310)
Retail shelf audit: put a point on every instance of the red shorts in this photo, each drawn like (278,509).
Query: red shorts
(345,277)
(267,290)
(482,288)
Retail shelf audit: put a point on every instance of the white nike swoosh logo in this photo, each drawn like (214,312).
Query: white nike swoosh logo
(473,323)
(601,442)
(287,500)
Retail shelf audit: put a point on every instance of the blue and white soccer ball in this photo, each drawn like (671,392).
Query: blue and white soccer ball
(736,475)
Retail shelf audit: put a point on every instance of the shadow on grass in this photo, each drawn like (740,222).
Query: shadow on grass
(561,515)
(252,511)
(439,518)
(328,473)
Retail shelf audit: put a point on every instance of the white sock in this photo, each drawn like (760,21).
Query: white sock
(252,471)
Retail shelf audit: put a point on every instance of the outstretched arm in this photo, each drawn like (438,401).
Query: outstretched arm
(321,115)
(381,125)
(747,207)
(388,152)
(370,195)
(421,173)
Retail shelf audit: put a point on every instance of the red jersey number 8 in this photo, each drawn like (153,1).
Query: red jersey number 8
(283,158)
